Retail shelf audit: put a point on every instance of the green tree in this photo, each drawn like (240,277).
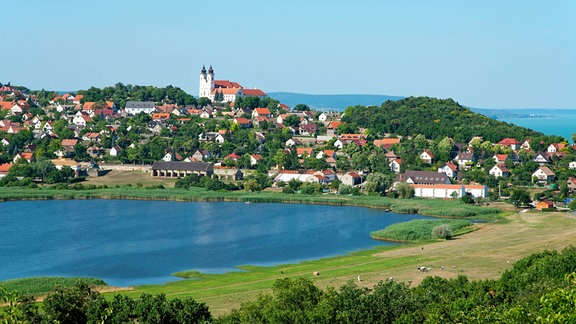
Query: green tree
(301,107)
(405,191)
(519,197)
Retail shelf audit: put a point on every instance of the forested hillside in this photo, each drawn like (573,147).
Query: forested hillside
(433,118)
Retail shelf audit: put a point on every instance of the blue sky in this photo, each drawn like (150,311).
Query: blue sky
(487,54)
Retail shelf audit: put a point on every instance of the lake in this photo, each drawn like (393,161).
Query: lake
(129,242)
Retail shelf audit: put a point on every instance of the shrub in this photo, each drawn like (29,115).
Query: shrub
(443,231)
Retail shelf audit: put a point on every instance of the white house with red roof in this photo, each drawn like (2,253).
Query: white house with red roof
(512,143)
(450,169)
(264,112)
(427,157)
(555,147)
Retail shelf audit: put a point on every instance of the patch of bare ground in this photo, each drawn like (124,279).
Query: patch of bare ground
(125,177)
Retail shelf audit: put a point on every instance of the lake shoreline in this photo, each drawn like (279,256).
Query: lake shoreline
(425,207)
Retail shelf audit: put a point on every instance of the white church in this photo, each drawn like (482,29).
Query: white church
(230,91)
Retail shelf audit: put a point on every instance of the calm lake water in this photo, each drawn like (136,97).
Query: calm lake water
(129,242)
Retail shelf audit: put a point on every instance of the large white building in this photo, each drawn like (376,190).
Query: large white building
(136,107)
(447,191)
(209,88)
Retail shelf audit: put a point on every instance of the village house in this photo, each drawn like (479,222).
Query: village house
(571,183)
(465,160)
(243,122)
(351,178)
(115,150)
(307,130)
(512,143)
(136,107)
(254,159)
(543,174)
(293,142)
(450,169)
(572,165)
(326,154)
(395,165)
(386,143)
(172,156)
(304,151)
(261,112)
(228,174)
(555,147)
(95,151)
(544,204)
(427,157)
(526,145)
(4,168)
(28,156)
(499,170)
(542,158)
(500,158)
(332,128)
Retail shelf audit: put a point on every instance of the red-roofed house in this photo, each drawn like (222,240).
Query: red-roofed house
(501,158)
(351,179)
(512,143)
(427,157)
(264,112)
(4,169)
(544,204)
(332,128)
(450,169)
(28,156)
(304,151)
(556,147)
(386,142)
(254,159)
(232,156)
(243,122)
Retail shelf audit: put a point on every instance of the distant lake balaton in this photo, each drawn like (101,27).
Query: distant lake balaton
(126,242)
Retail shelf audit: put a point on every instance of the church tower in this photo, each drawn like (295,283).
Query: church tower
(206,82)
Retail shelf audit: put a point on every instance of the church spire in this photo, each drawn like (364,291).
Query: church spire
(203,71)
(211,70)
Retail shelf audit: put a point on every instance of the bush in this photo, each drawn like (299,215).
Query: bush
(443,231)
(288,190)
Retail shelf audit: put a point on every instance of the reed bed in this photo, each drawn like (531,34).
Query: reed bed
(418,230)
(42,285)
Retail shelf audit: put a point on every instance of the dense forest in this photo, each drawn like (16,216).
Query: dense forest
(433,118)
(540,288)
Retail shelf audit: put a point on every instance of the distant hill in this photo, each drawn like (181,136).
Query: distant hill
(336,102)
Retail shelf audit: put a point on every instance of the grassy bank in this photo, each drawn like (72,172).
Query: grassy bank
(430,207)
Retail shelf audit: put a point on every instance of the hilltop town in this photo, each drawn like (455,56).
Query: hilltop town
(231,138)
